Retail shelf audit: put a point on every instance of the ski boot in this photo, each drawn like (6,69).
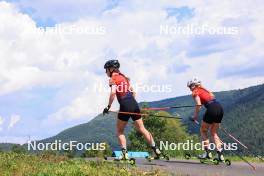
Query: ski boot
(220,156)
(158,155)
(205,155)
(124,159)
(157,152)
(124,155)
(220,159)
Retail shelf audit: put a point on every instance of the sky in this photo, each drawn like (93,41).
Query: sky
(52,55)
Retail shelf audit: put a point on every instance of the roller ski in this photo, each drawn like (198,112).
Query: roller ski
(123,159)
(158,155)
(220,159)
(207,158)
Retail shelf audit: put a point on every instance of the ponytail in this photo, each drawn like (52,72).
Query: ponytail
(118,71)
(127,78)
(200,86)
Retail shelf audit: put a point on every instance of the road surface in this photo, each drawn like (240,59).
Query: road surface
(195,168)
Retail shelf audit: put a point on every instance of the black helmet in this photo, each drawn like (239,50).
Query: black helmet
(112,64)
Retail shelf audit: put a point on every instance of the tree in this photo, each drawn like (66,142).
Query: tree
(99,153)
(163,129)
(18,149)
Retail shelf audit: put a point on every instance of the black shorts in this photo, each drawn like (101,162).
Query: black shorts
(129,105)
(214,113)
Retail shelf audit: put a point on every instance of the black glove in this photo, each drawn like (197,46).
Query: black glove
(106,110)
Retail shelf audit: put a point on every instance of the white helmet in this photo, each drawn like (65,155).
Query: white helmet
(192,82)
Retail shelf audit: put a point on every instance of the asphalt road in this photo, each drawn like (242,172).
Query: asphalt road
(195,168)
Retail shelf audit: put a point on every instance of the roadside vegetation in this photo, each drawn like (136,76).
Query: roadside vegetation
(20,164)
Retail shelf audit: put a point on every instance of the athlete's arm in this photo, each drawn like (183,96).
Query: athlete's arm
(112,95)
(197,107)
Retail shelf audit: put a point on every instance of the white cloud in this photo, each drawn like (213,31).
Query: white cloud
(14,119)
(14,139)
(87,104)
(1,123)
(1,120)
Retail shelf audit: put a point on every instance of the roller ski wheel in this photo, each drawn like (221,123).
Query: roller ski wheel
(202,161)
(215,161)
(131,161)
(208,161)
(161,157)
(166,157)
(187,156)
(228,162)
(149,158)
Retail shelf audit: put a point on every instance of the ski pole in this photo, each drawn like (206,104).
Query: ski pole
(243,145)
(232,137)
(246,161)
(166,108)
(195,121)
(141,114)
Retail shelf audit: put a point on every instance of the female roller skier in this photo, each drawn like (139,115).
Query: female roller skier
(211,119)
(120,88)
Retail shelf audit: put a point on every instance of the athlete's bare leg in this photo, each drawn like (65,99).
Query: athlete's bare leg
(217,140)
(215,137)
(204,133)
(120,126)
(139,125)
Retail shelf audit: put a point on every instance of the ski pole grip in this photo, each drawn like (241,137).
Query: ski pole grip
(195,121)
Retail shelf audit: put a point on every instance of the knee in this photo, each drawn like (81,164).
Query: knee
(141,129)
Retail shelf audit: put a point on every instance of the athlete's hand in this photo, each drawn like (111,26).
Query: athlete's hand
(106,110)
(195,119)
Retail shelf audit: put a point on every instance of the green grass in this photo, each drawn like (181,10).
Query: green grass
(49,165)
(52,165)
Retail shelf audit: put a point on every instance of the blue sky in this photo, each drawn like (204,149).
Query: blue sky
(49,13)
(181,13)
(47,81)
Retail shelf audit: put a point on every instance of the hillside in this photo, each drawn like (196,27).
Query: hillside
(244,114)
(100,129)
(6,146)
(244,117)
